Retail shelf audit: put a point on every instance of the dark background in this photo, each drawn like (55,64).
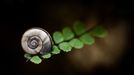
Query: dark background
(16,16)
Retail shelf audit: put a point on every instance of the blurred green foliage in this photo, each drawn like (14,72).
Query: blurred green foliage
(58,37)
(79,28)
(67,40)
(76,43)
(87,39)
(67,33)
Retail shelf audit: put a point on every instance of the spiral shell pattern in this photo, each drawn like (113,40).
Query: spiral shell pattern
(36,40)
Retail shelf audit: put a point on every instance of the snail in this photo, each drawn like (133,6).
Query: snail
(36,41)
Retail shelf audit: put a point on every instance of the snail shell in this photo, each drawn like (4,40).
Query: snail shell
(36,40)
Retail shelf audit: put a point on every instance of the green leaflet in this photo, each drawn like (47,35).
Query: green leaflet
(67,33)
(36,59)
(99,31)
(46,56)
(58,37)
(79,28)
(55,50)
(27,56)
(76,43)
(65,46)
(87,39)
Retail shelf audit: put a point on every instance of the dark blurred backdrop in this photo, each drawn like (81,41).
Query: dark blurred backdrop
(16,16)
